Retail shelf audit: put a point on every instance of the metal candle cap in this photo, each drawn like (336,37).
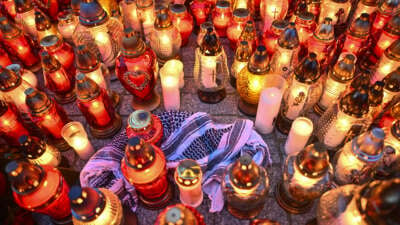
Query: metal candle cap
(241,13)
(174,216)
(392,81)
(188,172)
(132,45)
(289,38)
(360,27)
(86,203)
(210,46)
(24,177)
(393,51)
(313,160)
(259,61)
(86,88)
(37,101)
(85,61)
(393,26)
(325,30)
(162,20)
(91,13)
(140,120)
(33,147)
(177,8)
(222,4)
(368,146)
(139,154)
(308,70)
(8,79)
(343,71)
(50,42)
(278,26)
(245,173)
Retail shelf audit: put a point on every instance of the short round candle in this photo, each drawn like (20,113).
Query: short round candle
(299,134)
(75,135)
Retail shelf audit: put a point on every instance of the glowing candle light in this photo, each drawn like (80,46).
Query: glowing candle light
(392,86)
(146,14)
(389,61)
(221,17)
(357,35)
(338,11)
(268,109)
(39,152)
(180,214)
(242,57)
(67,24)
(299,134)
(174,67)
(75,135)
(385,11)
(11,125)
(182,20)
(170,90)
(391,32)
(188,177)
(272,10)
(235,28)
(25,17)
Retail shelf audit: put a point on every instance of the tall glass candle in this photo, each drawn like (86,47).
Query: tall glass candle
(182,20)
(386,9)
(272,10)
(188,177)
(67,23)
(299,134)
(44,26)
(389,61)
(338,11)
(357,36)
(11,125)
(25,17)
(75,135)
(268,109)
(129,15)
(235,28)
(146,14)
(391,32)
(323,42)
(221,17)
(242,57)
(39,152)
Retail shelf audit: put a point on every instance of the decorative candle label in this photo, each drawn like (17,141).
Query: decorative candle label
(208,67)
(297,97)
(331,93)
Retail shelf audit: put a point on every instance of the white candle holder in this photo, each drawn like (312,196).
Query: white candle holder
(75,135)
(299,134)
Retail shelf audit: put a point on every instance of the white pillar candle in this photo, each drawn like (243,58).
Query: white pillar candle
(174,67)
(298,136)
(170,91)
(75,135)
(268,108)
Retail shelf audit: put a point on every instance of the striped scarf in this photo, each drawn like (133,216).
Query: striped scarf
(195,136)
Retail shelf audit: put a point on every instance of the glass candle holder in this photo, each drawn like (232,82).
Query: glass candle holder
(12,87)
(338,11)
(47,115)
(57,80)
(67,23)
(18,45)
(200,10)
(146,14)
(180,214)
(392,87)
(287,50)
(389,61)
(303,92)
(75,135)
(323,42)
(49,7)
(211,69)
(336,123)
(146,126)
(249,34)
(39,152)
(306,176)
(384,12)
(242,57)
(165,39)
(338,80)
(271,36)
(245,186)
(41,189)
(11,125)
(390,162)
(95,206)
(389,116)
(129,15)
(96,106)
(89,64)
(44,27)
(365,6)
(235,28)
(221,17)
(251,81)
(357,36)
(101,33)
(272,10)
(25,17)
(359,158)
(305,26)
(182,20)
(4,58)
(61,51)
(188,177)
(25,74)
(375,97)
(144,167)
(203,31)
(390,33)
(136,69)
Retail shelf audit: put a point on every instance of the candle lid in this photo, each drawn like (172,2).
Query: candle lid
(51,42)
(65,15)
(380,201)
(313,160)
(177,8)
(49,63)
(305,18)
(22,6)
(343,71)
(259,61)
(188,172)
(392,81)
(368,146)
(244,173)
(42,22)
(132,45)
(86,203)
(325,30)
(33,147)
(388,6)
(140,120)
(375,94)
(355,103)
(85,62)
(139,154)
(9,80)
(360,26)
(241,13)
(289,38)
(24,177)
(86,88)
(369,2)
(16,68)
(223,5)
(393,51)
(210,46)
(278,26)
(162,20)
(308,70)
(393,26)
(91,13)
(243,52)
(37,101)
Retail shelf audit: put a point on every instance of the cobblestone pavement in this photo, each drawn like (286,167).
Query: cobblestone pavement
(224,112)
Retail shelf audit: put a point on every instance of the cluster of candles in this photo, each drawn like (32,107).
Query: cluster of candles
(337,59)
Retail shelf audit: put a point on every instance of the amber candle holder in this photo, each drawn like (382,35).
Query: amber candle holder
(57,79)
(48,116)
(221,17)
(242,57)
(182,20)
(249,34)
(390,61)
(180,214)
(385,10)
(11,125)
(40,189)
(146,126)
(39,152)
(97,108)
(144,166)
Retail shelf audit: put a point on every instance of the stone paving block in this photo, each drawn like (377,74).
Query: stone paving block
(192,103)
(72,109)
(226,106)
(125,108)
(302,219)
(273,211)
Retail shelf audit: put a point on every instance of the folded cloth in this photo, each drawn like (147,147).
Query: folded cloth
(195,136)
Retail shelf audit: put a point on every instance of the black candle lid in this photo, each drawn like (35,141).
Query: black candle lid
(91,13)
(86,203)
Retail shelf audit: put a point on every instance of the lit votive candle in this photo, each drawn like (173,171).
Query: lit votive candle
(75,135)
(268,108)
(188,177)
(170,91)
(299,134)
(174,67)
